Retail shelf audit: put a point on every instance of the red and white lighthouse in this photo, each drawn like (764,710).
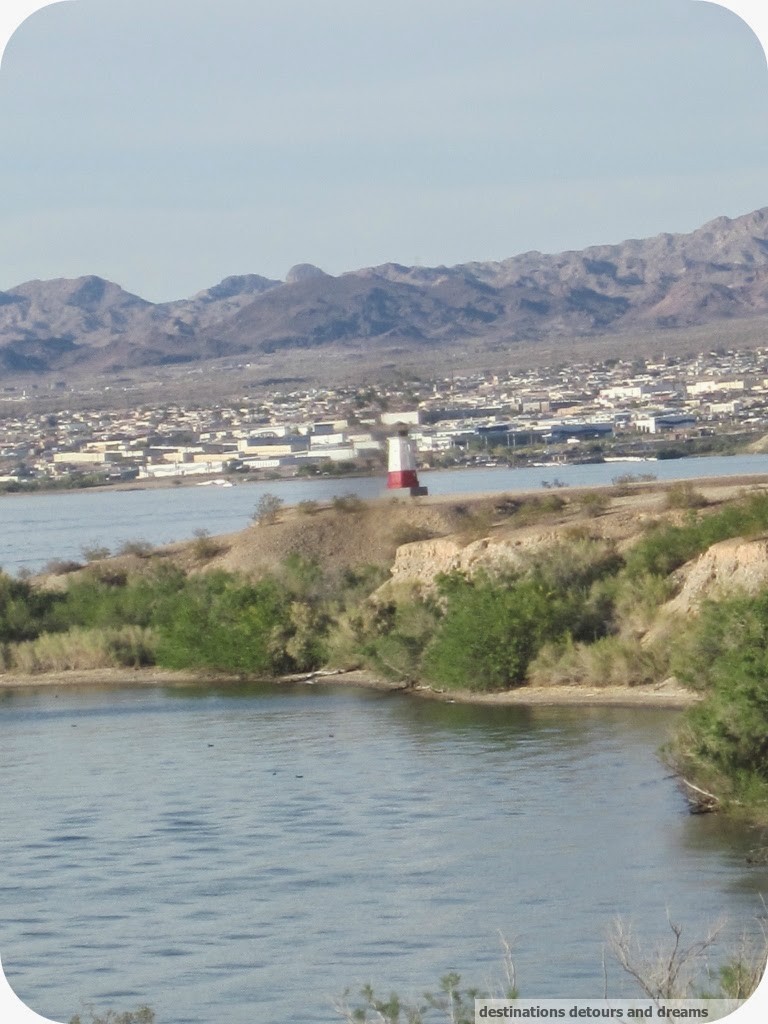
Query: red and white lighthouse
(401,468)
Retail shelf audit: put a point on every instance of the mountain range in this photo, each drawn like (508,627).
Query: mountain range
(718,272)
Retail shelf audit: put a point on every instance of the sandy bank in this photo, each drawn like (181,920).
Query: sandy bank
(664,695)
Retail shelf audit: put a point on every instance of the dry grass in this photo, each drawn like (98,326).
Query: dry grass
(610,661)
(78,649)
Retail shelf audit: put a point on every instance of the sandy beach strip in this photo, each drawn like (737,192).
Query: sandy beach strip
(665,695)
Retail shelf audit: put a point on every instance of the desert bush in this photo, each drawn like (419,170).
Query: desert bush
(139,548)
(342,643)
(666,548)
(623,483)
(308,507)
(409,533)
(388,636)
(267,511)
(593,503)
(635,601)
(61,567)
(575,563)
(684,495)
(475,525)
(533,510)
(672,969)
(205,547)
(94,552)
(745,966)
(347,503)
(624,479)
(5,658)
(506,506)
(494,624)
(78,649)
(304,636)
(305,579)
(355,619)
(107,573)
(609,661)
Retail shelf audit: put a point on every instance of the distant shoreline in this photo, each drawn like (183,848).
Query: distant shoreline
(735,480)
(666,695)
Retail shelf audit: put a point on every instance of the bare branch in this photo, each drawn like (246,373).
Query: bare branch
(665,973)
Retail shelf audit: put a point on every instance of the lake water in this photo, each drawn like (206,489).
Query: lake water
(37,528)
(243,856)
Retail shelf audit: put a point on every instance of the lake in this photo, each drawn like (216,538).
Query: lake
(39,527)
(245,855)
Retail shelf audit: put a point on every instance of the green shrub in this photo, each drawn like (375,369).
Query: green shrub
(219,622)
(25,611)
(724,740)
(303,577)
(99,599)
(489,633)
(666,548)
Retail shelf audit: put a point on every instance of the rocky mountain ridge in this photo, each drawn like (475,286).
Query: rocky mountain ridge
(717,273)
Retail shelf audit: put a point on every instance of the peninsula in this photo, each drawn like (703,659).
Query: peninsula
(639,593)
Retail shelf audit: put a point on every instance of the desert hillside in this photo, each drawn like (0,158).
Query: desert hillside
(714,275)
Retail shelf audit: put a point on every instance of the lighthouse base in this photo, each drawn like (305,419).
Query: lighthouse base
(418,492)
(402,478)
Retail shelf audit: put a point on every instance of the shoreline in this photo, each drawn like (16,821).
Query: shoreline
(169,483)
(667,695)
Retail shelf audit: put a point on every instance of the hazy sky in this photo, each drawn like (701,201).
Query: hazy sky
(165,144)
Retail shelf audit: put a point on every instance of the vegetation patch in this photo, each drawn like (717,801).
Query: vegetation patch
(723,744)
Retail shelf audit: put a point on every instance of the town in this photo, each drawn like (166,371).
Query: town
(589,412)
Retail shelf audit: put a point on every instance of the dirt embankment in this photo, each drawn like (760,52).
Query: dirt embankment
(418,538)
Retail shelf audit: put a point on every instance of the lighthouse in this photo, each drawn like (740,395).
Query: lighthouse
(401,469)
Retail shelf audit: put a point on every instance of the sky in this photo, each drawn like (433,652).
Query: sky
(166,144)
